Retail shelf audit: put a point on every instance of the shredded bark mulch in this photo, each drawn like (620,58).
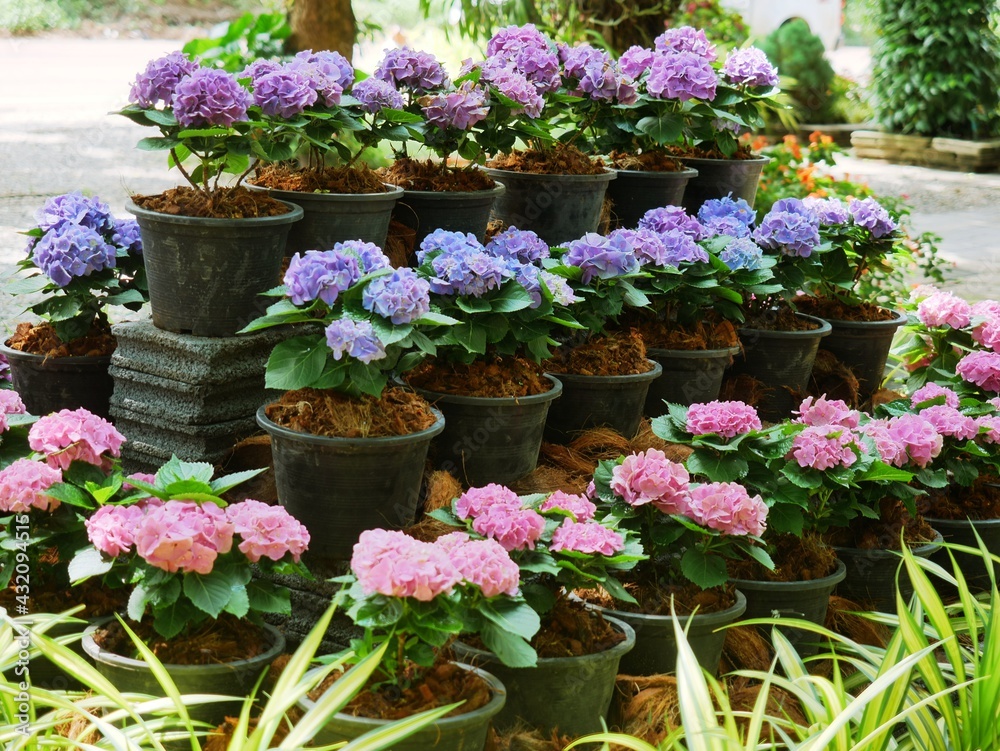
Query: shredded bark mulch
(490,377)
(835,310)
(332,413)
(795,559)
(41,339)
(560,160)
(883,533)
(661,334)
(654,598)
(647,161)
(782,319)
(979,501)
(742,152)
(618,353)
(414,174)
(229,203)
(353,180)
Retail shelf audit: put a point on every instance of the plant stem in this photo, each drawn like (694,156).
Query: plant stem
(180,167)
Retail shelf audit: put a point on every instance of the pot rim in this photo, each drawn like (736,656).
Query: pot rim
(922,550)
(640,174)
(456,195)
(289,217)
(728,615)
(693,354)
(607,175)
(495,401)
(796,586)
(758,159)
(957,523)
(17,354)
(824,329)
(98,653)
(295,435)
(650,375)
(900,319)
(394,192)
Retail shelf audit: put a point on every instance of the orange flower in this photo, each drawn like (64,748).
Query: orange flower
(758,143)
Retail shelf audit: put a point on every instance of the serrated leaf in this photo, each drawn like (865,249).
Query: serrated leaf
(717,467)
(265,597)
(512,650)
(208,592)
(296,363)
(515,617)
(706,571)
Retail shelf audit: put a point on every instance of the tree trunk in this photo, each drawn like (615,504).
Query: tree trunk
(322,25)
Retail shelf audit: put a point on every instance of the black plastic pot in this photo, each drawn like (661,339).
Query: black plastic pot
(614,402)
(871,575)
(490,439)
(329,218)
(690,376)
(960,532)
(864,346)
(635,192)
(783,362)
(206,275)
(339,487)
(424,211)
(571,694)
(49,384)
(559,208)
(718,178)
(656,646)
(463,732)
(802,600)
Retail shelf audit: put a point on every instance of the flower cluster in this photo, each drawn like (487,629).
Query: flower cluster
(789,227)
(600,256)
(727,419)
(402,297)
(67,436)
(461,265)
(981,368)
(459,108)
(374,94)
(406,68)
(321,275)
(749,67)
(357,339)
(209,97)
(592,73)
(23,484)
(496,512)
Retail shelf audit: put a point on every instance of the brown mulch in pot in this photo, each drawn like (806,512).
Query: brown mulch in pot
(655,598)
(352,180)
(660,334)
(41,339)
(782,319)
(742,152)
(229,203)
(884,533)
(979,501)
(795,559)
(832,309)
(486,377)
(617,353)
(560,160)
(416,174)
(331,413)
(647,161)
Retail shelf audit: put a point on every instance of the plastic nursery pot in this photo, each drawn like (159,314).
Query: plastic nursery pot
(783,362)
(803,600)
(205,275)
(339,487)
(568,694)
(634,192)
(690,376)
(49,384)
(330,218)
(871,575)
(490,439)
(559,208)
(718,178)
(656,646)
(614,402)
(424,211)
(864,346)
(463,732)
(974,567)
(236,678)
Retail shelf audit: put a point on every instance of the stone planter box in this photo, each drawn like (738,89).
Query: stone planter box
(940,153)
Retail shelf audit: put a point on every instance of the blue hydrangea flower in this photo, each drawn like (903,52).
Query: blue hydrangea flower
(157,82)
(127,236)
(681,248)
(207,97)
(448,241)
(376,94)
(402,297)
(646,244)
(71,250)
(870,214)
(523,246)
(356,339)
(726,225)
(666,218)
(463,266)
(789,227)
(742,253)
(320,274)
(562,292)
(601,257)
(370,256)
(727,207)
(77,209)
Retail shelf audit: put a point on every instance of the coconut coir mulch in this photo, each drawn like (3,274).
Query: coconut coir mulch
(429,175)
(98,600)
(489,377)
(226,203)
(561,160)
(795,558)
(661,334)
(884,533)
(647,161)
(41,339)
(831,309)
(742,152)
(617,353)
(332,413)
(351,180)
(978,501)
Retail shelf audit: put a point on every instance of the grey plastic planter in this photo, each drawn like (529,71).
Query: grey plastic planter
(49,384)
(718,178)
(634,192)
(963,532)
(690,376)
(864,346)
(871,575)
(424,211)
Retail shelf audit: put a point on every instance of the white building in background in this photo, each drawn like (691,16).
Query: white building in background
(764,16)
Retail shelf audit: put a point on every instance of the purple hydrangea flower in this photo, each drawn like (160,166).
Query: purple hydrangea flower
(528,52)
(460,108)
(595,74)
(376,95)
(157,82)
(749,67)
(522,245)
(514,86)
(742,253)
(789,227)
(4,369)
(356,339)
(77,209)
(449,242)
(603,257)
(283,93)
(666,218)
(529,277)
(510,40)
(126,235)
(635,61)
(870,214)
(369,255)
(471,273)
(647,245)
(71,250)
(320,274)
(410,69)
(681,76)
(686,39)
(727,207)
(402,297)
(332,65)
(829,211)
(259,68)
(726,225)
(325,74)
(209,97)
(681,248)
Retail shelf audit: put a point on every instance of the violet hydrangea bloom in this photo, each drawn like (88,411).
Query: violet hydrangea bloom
(402,297)
(823,411)
(944,309)
(725,418)
(75,208)
(467,272)
(376,95)
(183,536)
(528,52)
(650,477)
(829,211)
(531,278)
(647,245)
(484,563)
(449,241)
(513,85)
(524,246)
(259,68)
(681,76)
(267,531)
(586,537)
(686,39)
(356,339)
(579,507)
(459,108)
(601,257)
(596,76)
(208,97)
(936,392)
(475,501)
(127,236)
(411,69)
(284,93)
(370,256)
(870,214)
(749,66)
(71,250)
(68,435)
(394,564)
(330,64)
(981,368)
(666,218)
(635,61)
(918,440)
(729,226)
(320,275)
(742,253)
(823,447)
(681,248)
(727,207)
(789,227)
(4,368)
(23,484)
(729,508)
(157,82)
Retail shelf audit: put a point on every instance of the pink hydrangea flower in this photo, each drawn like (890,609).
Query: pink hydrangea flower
(475,501)
(452,540)
(944,309)
(823,411)
(981,368)
(586,538)
(486,564)
(986,309)
(591,491)
(991,425)
(267,531)
(933,391)
(396,565)
(513,527)
(10,403)
(650,477)
(729,508)
(579,508)
(183,536)
(948,421)
(23,484)
(75,435)
(145,477)
(988,333)
(917,437)
(922,292)
(112,529)
(824,446)
(727,419)
(889,449)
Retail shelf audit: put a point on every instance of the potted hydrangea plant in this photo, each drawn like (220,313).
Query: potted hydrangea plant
(209,249)
(349,447)
(80,260)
